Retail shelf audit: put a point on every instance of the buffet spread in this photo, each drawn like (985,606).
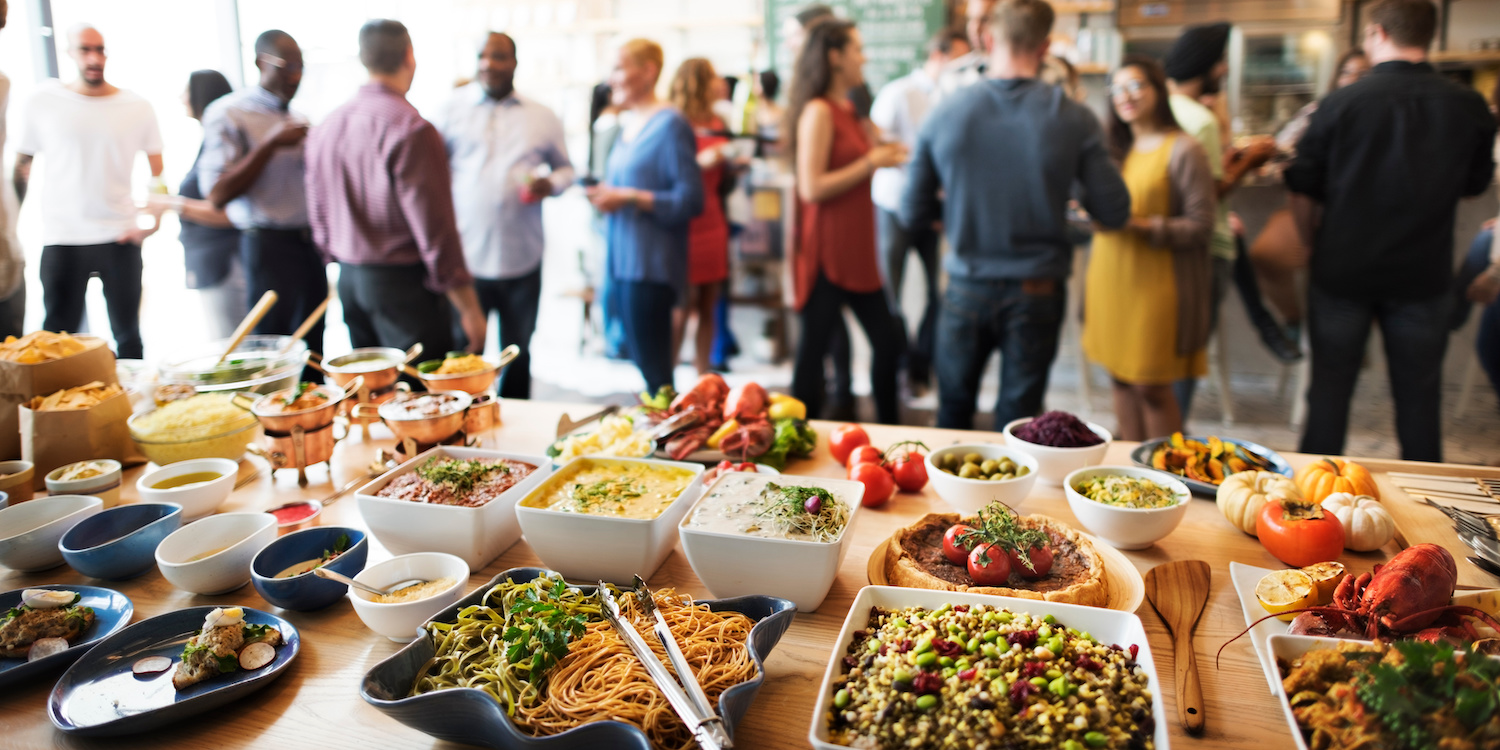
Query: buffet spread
(711,569)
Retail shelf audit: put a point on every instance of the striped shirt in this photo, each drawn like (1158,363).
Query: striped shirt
(378,189)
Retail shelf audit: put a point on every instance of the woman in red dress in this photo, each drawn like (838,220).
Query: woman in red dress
(836,265)
(692,93)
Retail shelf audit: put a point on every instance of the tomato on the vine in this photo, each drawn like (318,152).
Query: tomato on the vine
(907,465)
(1041,562)
(1299,533)
(864,453)
(989,565)
(844,439)
(879,485)
(953,546)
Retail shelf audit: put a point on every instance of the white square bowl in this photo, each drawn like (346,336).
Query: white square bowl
(478,535)
(1286,647)
(589,548)
(731,564)
(1106,625)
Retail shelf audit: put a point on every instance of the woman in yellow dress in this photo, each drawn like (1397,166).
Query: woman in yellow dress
(1146,303)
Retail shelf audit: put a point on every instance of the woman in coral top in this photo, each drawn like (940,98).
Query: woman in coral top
(836,263)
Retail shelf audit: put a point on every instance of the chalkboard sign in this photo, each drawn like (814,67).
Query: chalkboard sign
(895,32)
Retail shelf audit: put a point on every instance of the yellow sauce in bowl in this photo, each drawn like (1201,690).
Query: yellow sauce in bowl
(616,489)
(182,480)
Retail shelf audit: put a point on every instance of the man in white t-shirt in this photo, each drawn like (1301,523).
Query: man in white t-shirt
(89,132)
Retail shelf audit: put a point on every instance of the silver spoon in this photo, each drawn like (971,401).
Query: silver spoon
(341,578)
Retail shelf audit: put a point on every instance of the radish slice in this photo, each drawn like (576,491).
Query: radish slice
(152,665)
(256,655)
(45,647)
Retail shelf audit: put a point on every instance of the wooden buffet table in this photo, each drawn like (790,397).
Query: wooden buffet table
(317,703)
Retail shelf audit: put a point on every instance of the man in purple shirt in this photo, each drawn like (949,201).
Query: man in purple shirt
(380,203)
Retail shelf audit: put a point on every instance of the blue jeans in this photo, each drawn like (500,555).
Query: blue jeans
(646,316)
(1487,344)
(1022,319)
(1415,333)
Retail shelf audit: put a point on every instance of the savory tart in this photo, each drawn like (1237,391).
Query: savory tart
(224,645)
(42,614)
(915,558)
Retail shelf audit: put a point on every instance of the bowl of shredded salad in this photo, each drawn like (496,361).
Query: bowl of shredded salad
(1127,507)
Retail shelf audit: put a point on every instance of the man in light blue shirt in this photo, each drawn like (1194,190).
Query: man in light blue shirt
(507,154)
(252,167)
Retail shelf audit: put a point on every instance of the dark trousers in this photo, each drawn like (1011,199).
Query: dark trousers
(824,306)
(1415,333)
(65,271)
(389,306)
(287,262)
(646,317)
(13,312)
(895,241)
(515,302)
(1022,319)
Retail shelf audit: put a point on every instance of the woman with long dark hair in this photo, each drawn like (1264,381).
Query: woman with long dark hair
(1147,299)
(836,264)
(692,93)
(210,244)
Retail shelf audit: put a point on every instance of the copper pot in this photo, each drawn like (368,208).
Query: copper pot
(379,365)
(275,420)
(483,414)
(403,417)
(317,447)
(473,383)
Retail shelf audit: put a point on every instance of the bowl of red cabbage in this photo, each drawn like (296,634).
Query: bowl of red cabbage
(1060,442)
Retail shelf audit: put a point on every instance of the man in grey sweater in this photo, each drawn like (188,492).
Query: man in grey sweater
(1004,154)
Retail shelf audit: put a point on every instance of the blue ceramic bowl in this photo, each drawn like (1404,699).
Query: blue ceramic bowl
(4,500)
(471,716)
(307,592)
(121,542)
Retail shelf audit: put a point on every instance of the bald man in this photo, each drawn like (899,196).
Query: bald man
(89,132)
(252,167)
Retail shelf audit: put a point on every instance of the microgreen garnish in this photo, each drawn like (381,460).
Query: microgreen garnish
(788,510)
(459,474)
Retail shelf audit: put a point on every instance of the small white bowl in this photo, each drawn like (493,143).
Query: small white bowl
(799,570)
(105,486)
(399,621)
(33,529)
(198,499)
(1055,464)
(213,555)
(968,496)
(1121,527)
(594,548)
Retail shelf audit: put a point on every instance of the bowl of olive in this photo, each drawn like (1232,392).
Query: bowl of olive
(969,477)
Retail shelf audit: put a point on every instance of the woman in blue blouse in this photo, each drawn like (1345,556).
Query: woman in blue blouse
(652,189)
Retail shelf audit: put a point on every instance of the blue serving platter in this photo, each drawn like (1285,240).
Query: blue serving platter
(471,716)
(112,612)
(1142,457)
(99,696)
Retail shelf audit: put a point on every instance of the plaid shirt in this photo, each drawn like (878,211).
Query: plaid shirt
(378,189)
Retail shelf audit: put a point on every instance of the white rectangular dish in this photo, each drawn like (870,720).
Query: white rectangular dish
(1244,578)
(1107,626)
(478,535)
(1289,647)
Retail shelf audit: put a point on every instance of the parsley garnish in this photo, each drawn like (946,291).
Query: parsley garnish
(1413,694)
(604,490)
(459,474)
(540,630)
(302,388)
(340,546)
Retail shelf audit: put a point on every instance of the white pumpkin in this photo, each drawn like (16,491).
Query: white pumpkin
(1243,494)
(1367,524)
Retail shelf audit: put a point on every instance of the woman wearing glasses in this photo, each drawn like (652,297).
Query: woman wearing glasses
(1147,298)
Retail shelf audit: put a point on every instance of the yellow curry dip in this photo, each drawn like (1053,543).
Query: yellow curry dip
(614,488)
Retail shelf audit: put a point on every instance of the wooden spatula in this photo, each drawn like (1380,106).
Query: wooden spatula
(1178,591)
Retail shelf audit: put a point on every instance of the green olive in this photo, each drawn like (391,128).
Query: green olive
(973,458)
(999,477)
(989,466)
(952,461)
(1006,464)
(1022,471)
(946,469)
(969,471)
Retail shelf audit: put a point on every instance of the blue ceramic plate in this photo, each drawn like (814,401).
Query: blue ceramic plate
(99,696)
(471,716)
(112,611)
(1142,457)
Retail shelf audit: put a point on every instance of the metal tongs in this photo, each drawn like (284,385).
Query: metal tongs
(691,703)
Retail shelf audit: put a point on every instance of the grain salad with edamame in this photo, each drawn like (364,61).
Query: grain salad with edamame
(975,466)
(987,678)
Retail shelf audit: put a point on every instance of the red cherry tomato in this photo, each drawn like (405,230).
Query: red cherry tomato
(864,453)
(844,439)
(879,485)
(954,548)
(910,471)
(746,466)
(989,565)
(1299,533)
(1041,563)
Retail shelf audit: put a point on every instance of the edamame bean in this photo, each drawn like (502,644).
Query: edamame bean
(841,699)
(928,702)
(1096,739)
(926,660)
(946,661)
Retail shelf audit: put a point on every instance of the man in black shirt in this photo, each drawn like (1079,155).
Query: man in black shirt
(1375,186)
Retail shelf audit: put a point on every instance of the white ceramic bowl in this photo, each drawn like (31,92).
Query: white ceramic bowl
(32,530)
(968,496)
(213,555)
(478,535)
(1127,528)
(1055,464)
(399,621)
(732,564)
(1106,625)
(105,486)
(593,548)
(198,499)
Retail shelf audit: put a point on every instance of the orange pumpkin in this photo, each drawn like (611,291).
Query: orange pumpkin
(1324,477)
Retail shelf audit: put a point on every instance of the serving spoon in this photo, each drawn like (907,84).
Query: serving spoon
(341,578)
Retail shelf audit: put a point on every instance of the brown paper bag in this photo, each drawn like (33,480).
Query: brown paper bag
(51,439)
(19,383)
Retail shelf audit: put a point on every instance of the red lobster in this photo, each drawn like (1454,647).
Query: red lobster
(1403,598)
